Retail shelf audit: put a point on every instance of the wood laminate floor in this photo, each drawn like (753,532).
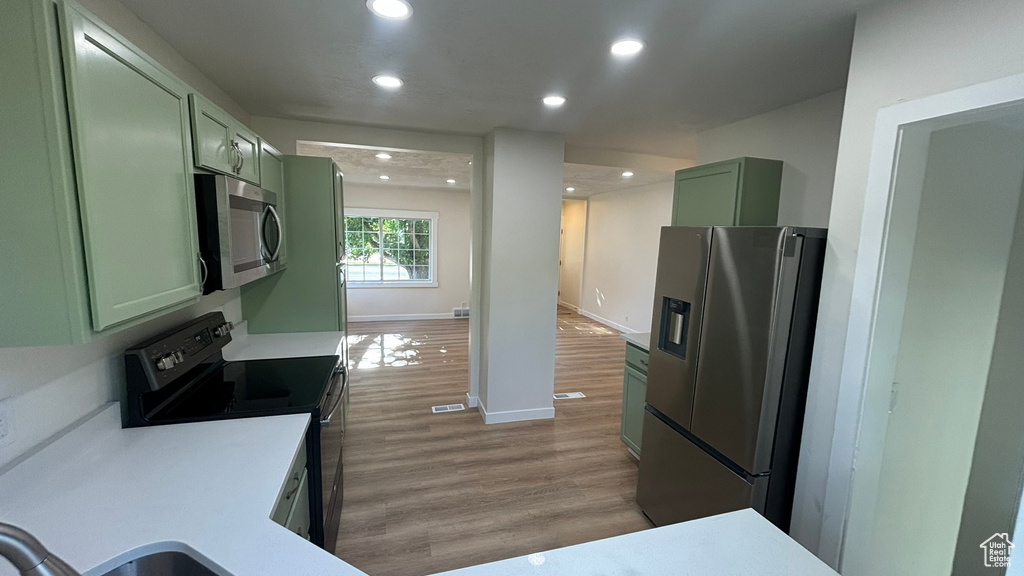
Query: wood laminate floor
(426,493)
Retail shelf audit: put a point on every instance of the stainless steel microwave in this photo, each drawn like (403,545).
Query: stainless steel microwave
(240,232)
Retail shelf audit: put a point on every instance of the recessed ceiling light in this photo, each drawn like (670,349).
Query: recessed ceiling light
(385,177)
(627,174)
(570,189)
(384,156)
(450,181)
(554,101)
(627,47)
(391,9)
(390,82)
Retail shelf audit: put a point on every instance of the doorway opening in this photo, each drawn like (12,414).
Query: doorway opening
(939,452)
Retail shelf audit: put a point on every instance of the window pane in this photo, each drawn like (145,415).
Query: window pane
(421,272)
(422,226)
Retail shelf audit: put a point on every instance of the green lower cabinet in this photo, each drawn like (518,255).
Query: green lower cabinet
(634,393)
(292,509)
(740,192)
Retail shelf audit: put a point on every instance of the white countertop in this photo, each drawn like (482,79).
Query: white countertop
(101,495)
(245,346)
(734,544)
(640,340)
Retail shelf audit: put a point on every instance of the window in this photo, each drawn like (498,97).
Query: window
(390,248)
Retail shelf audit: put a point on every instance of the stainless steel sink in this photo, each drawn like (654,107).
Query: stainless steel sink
(164,564)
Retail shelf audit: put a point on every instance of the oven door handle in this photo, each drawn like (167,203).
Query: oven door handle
(343,372)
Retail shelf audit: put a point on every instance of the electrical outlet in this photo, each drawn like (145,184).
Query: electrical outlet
(6,422)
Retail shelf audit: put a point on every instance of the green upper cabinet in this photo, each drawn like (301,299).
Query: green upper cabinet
(223,144)
(96,156)
(132,154)
(272,179)
(740,192)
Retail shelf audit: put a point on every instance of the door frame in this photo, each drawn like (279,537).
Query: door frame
(888,228)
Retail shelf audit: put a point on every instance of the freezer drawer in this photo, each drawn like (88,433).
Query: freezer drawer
(679,481)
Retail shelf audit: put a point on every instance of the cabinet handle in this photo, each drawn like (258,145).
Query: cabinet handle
(292,492)
(204,272)
(644,362)
(239,160)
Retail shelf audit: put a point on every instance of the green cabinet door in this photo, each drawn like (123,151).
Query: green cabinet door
(221,143)
(211,136)
(634,392)
(133,167)
(248,146)
(740,192)
(706,197)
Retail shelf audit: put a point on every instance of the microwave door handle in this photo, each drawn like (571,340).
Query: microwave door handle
(280,232)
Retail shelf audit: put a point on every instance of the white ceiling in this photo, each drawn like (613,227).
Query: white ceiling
(418,169)
(404,168)
(590,180)
(472,66)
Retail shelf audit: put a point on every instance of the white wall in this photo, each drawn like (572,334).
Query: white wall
(572,248)
(997,469)
(902,50)
(52,387)
(522,191)
(964,231)
(805,136)
(621,259)
(452,258)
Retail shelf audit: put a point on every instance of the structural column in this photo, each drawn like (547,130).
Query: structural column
(519,284)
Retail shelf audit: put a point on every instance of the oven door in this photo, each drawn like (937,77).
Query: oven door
(332,432)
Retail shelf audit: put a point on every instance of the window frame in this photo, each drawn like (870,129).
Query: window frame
(401,215)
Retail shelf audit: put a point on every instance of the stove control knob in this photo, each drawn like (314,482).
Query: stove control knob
(179,356)
(223,329)
(166,363)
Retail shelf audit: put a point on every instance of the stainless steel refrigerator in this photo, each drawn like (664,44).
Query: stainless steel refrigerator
(734,315)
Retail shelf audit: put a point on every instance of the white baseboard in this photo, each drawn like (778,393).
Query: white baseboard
(608,322)
(389,317)
(472,401)
(570,306)
(515,415)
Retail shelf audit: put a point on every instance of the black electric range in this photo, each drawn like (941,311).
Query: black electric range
(181,376)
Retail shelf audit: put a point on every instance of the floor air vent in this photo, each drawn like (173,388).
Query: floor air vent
(447,408)
(568,395)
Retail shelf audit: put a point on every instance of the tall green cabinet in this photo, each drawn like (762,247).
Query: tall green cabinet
(310,295)
(740,192)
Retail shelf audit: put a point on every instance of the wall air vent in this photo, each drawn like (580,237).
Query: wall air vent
(569,395)
(447,408)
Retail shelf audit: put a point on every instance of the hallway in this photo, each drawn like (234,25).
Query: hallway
(426,492)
